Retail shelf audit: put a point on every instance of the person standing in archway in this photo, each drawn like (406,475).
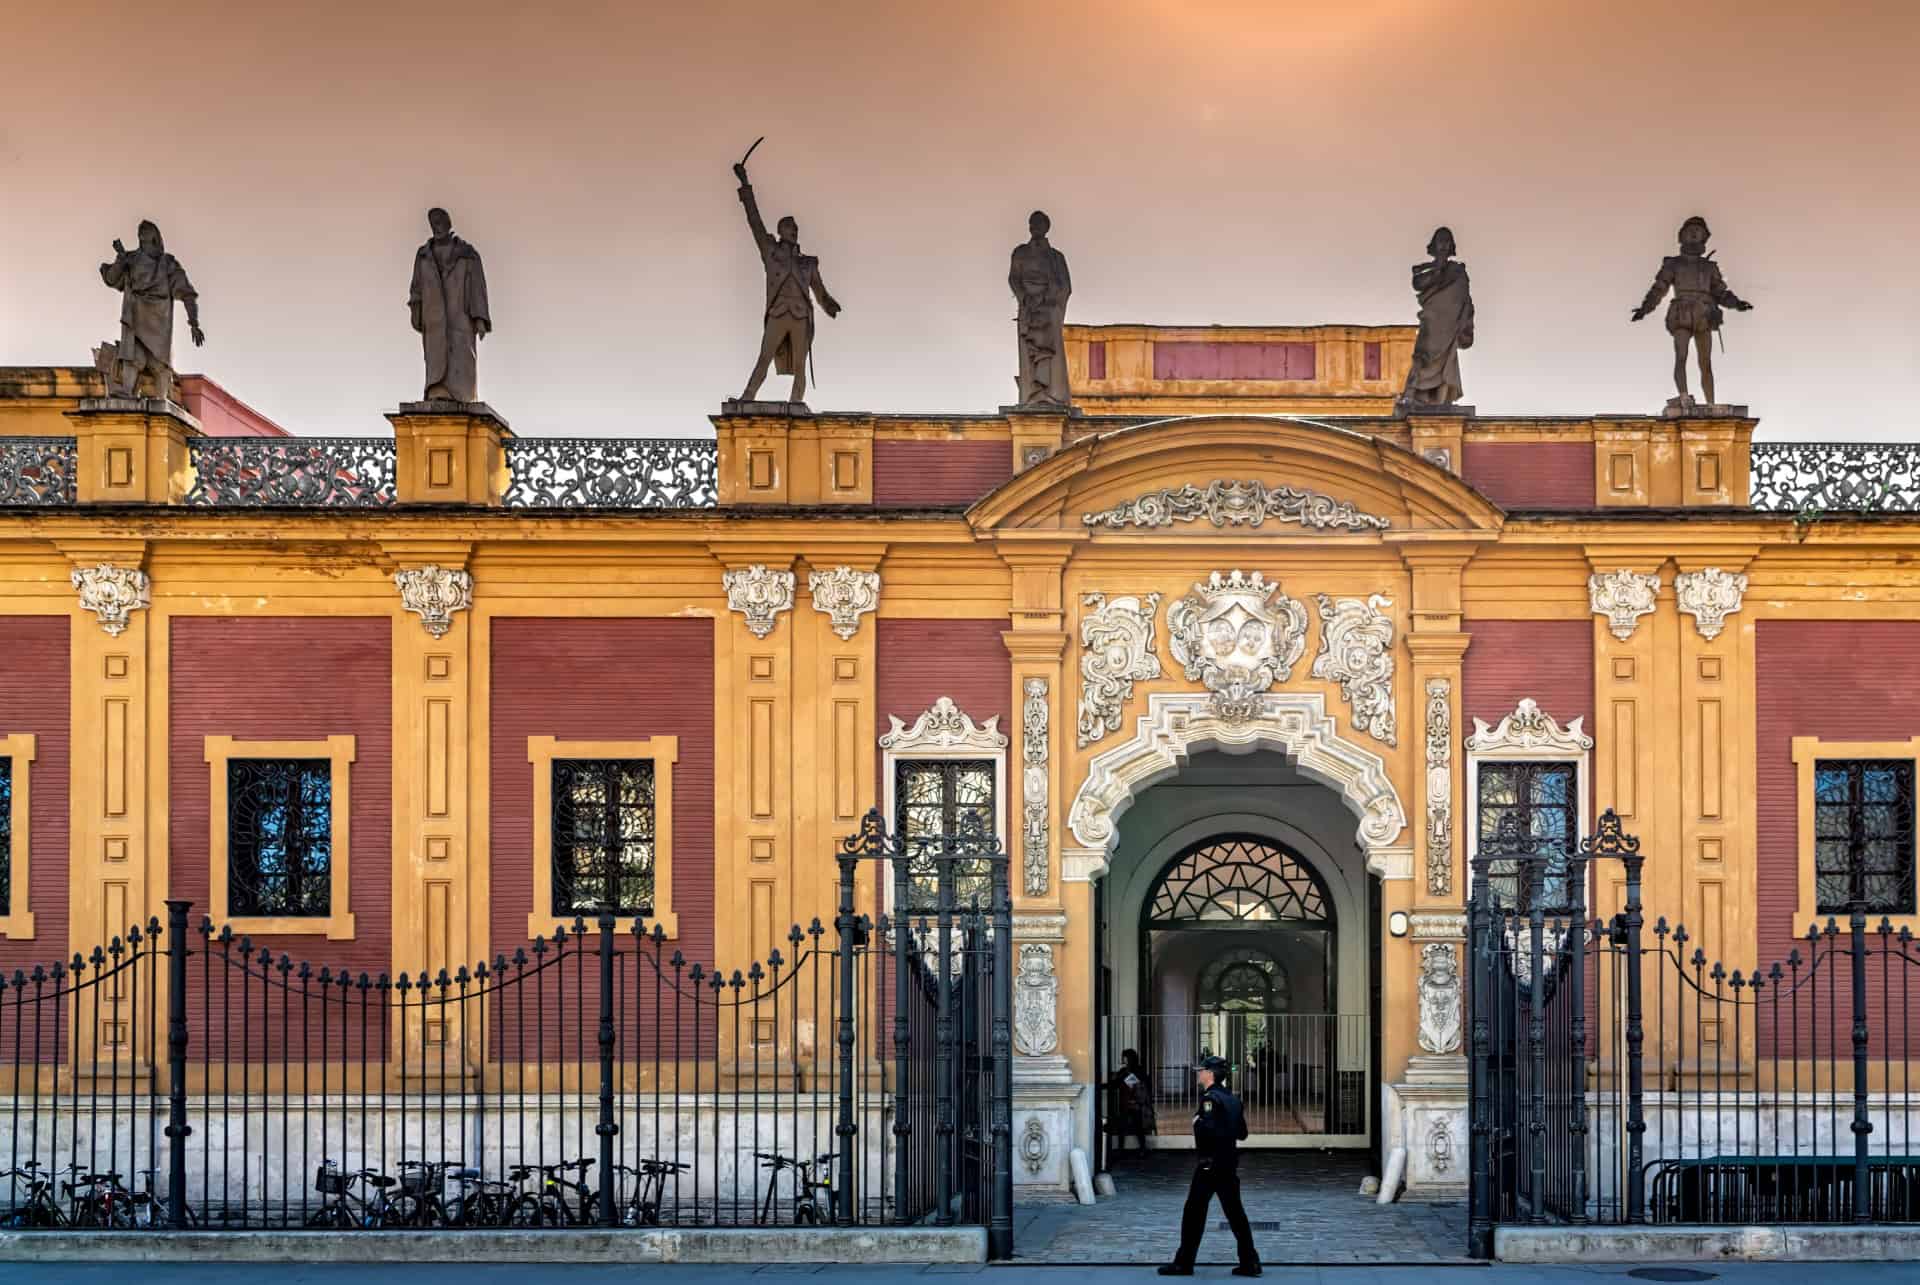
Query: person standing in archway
(1219,1127)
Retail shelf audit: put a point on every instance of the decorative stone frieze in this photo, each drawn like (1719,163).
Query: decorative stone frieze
(112,593)
(1441,925)
(1530,728)
(944,726)
(759,594)
(1036,991)
(1239,635)
(1440,997)
(844,595)
(1117,634)
(1034,718)
(1356,651)
(1709,596)
(1237,504)
(434,593)
(1439,787)
(1623,597)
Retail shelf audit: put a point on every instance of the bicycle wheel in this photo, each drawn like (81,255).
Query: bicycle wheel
(329,1217)
(401,1210)
(527,1211)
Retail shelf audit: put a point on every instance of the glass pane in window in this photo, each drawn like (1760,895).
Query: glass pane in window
(1863,818)
(6,836)
(603,836)
(279,837)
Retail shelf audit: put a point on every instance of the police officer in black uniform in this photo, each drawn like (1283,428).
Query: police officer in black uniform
(1218,1129)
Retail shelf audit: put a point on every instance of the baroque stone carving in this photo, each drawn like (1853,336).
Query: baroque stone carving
(1440,997)
(760,595)
(1117,634)
(1034,718)
(845,595)
(1440,1144)
(1239,635)
(1530,728)
(1035,990)
(1623,597)
(1356,651)
(1439,787)
(1033,1145)
(1236,504)
(434,593)
(944,726)
(112,593)
(1709,596)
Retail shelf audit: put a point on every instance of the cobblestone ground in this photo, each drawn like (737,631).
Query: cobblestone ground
(1305,1207)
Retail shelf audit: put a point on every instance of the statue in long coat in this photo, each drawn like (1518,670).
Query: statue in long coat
(1041,285)
(1446,326)
(149,281)
(449,306)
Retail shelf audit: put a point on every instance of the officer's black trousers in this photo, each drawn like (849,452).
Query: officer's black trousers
(1210,1181)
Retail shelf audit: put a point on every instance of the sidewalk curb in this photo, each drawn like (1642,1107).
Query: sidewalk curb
(1797,1242)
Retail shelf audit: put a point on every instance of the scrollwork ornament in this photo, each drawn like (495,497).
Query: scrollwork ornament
(1034,787)
(434,593)
(1623,597)
(1035,992)
(1237,504)
(1239,635)
(1033,1145)
(1440,1144)
(112,593)
(1356,651)
(760,594)
(1117,635)
(1439,787)
(1709,595)
(844,595)
(1440,997)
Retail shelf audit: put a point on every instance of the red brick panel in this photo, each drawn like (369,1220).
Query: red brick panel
(1549,660)
(1530,475)
(34,698)
(1371,359)
(930,474)
(1097,359)
(1208,359)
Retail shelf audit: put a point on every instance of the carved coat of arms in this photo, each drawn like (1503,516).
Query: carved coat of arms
(1239,635)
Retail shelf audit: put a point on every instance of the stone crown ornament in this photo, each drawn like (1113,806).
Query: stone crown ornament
(1623,597)
(844,595)
(434,593)
(1239,635)
(112,593)
(1530,728)
(1233,504)
(944,726)
(759,594)
(1709,596)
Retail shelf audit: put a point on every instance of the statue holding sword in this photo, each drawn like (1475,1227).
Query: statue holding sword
(793,283)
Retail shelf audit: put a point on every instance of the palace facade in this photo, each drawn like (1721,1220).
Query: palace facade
(1241,666)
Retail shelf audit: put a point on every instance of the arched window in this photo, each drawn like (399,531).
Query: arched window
(1239,880)
(1245,981)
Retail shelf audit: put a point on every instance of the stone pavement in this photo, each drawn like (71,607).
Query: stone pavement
(1305,1207)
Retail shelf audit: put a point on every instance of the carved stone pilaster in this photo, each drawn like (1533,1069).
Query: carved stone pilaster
(1356,651)
(845,595)
(1117,634)
(1709,596)
(759,594)
(434,593)
(1440,997)
(1036,993)
(1034,786)
(112,593)
(1623,597)
(1439,787)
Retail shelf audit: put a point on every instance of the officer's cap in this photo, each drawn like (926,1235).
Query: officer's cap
(1218,1065)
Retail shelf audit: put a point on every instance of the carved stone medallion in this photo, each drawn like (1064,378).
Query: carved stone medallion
(112,593)
(1033,1145)
(1235,504)
(1117,634)
(1440,997)
(434,593)
(1239,635)
(1439,787)
(1035,990)
(760,595)
(1356,651)
(1623,597)
(1035,825)
(844,595)
(1440,1144)
(1709,596)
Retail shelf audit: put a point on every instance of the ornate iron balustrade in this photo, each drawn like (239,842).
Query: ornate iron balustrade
(612,473)
(1800,477)
(37,470)
(292,472)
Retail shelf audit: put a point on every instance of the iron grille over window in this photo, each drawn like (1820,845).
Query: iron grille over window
(1532,807)
(279,837)
(1863,835)
(603,836)
(6,836)
(1237,881)
(936,801)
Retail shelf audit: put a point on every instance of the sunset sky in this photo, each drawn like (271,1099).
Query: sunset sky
(1233,161)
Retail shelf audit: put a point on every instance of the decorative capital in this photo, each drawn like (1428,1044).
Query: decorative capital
(844,595)
(944,726)
(113,593)
(434,593)
(1623,597)
(1709,596)
(760,594)
(1529,728)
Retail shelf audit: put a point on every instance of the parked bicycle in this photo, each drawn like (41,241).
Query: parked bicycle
(557,1201)
(642,1207)
(814,1199)
(39,1208)
(422,1200)
(344,1209)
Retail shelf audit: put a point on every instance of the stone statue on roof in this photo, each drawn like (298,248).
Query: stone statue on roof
(149,281)
(448,303)
(1446,327)
(1040,283)
(793,283)
(1700,297)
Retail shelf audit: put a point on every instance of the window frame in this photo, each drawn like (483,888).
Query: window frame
(338,923)
(663,752)
(19,751)
(1808,751)
(942,731)
(1528,735)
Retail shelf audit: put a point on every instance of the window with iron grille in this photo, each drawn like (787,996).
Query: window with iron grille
(603,836)
(6,835)
(1532,805)
(935,800)
(1863,835)
(279,837)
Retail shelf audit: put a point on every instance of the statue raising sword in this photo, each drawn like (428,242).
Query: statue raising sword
(793,283)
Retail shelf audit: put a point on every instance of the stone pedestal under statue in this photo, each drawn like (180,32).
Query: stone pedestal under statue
(131,450)
(449,453)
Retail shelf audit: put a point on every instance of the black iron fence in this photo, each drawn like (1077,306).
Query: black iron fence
(184,1076)
(1622,1076)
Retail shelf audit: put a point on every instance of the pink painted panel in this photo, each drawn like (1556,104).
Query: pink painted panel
(1372,359)
(1530,475)
(1097,359)
(1211,359)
